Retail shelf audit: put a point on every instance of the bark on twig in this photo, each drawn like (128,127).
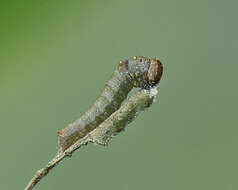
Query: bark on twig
(105,131)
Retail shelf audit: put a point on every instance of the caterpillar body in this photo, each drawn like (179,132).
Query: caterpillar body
(136,72)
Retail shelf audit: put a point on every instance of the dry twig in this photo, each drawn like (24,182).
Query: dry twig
(106,118)
(102,134)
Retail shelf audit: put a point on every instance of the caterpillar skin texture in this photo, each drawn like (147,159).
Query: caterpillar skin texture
(136,72)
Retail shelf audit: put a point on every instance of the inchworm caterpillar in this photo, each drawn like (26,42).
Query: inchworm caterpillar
(135,72)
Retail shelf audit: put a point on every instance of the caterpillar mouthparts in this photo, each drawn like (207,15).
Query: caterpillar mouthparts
(135,72)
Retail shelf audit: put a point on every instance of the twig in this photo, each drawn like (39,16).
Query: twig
(105,131)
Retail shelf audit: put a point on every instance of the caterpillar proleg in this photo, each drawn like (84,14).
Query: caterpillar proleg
(136,72)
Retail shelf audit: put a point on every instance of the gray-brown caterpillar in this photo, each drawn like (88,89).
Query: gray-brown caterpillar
(135,72)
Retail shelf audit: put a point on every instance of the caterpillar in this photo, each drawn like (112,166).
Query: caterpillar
(135,72)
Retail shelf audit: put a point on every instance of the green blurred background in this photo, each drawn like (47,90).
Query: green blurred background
(55,57)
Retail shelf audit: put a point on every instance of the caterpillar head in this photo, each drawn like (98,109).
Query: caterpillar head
(144,73)
(155,72)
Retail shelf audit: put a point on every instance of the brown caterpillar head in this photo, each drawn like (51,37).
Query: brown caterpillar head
(142,72)
(155,72)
